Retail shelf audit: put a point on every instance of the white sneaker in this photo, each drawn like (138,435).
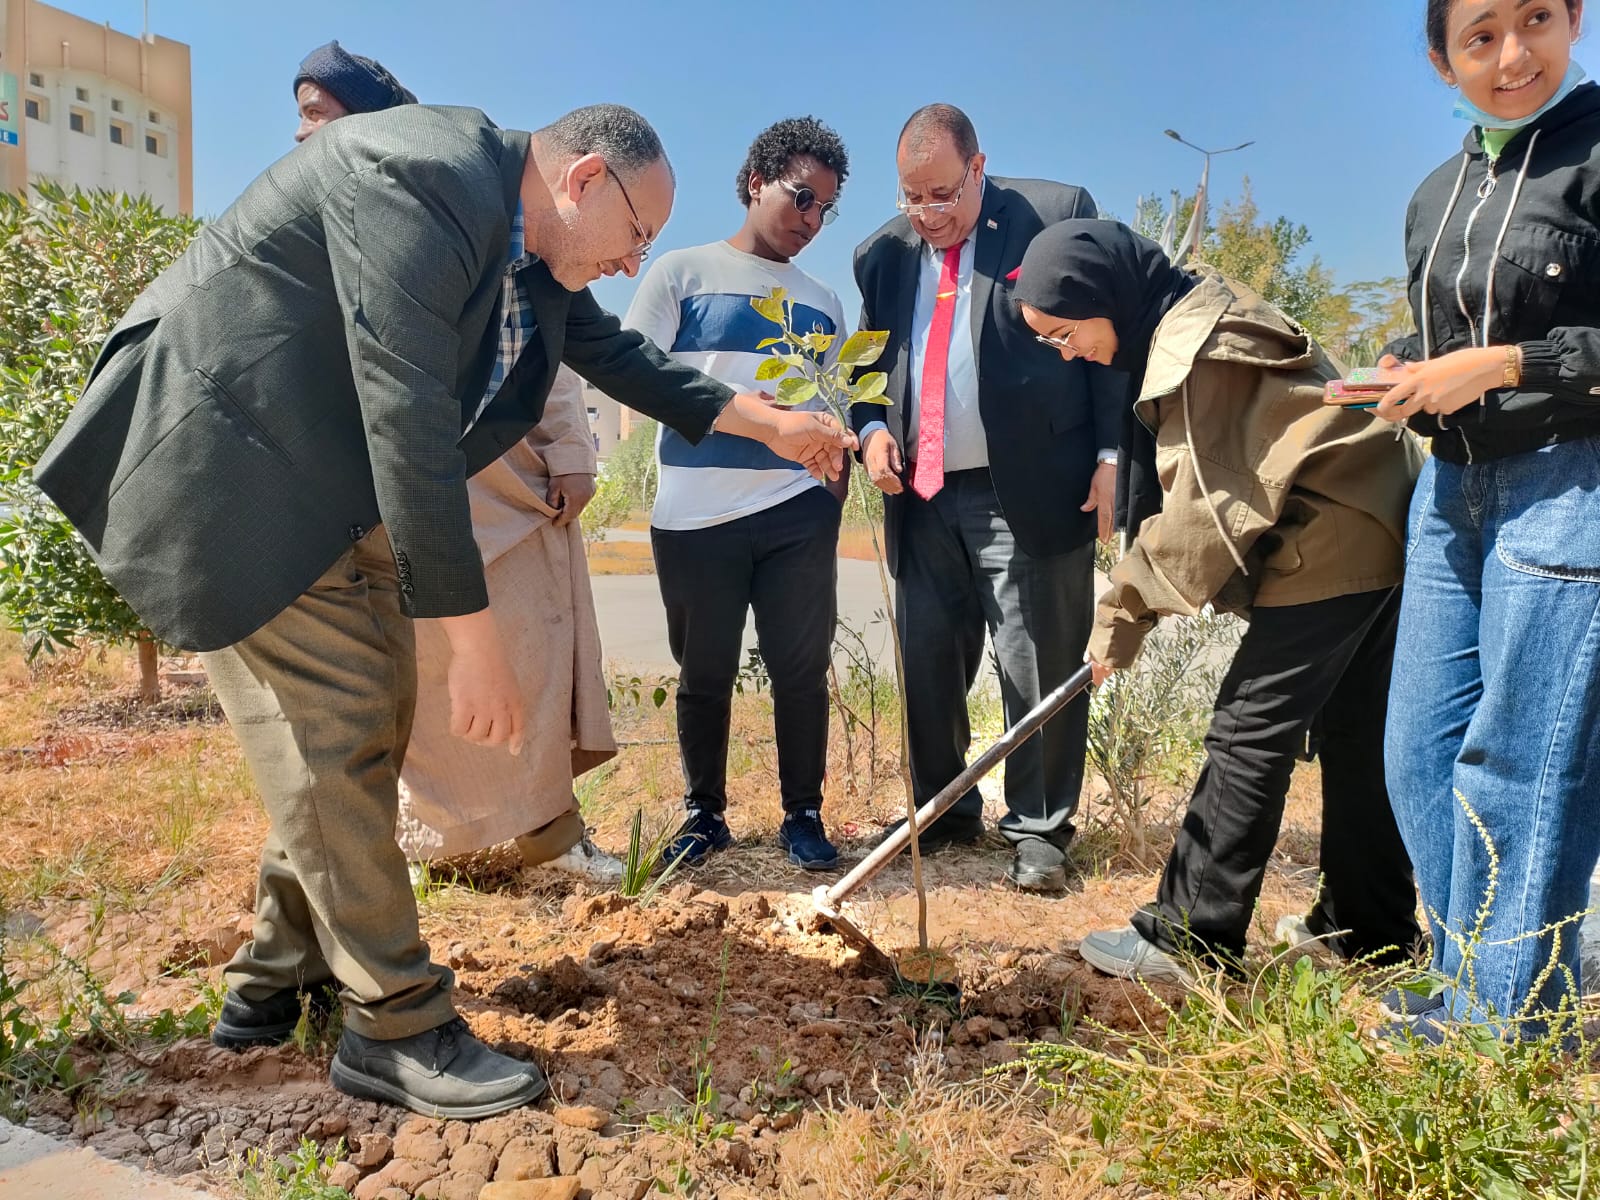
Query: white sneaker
(585,861)
(1294,932)
(1125,954)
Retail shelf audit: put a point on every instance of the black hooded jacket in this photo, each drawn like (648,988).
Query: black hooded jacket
(1529,222)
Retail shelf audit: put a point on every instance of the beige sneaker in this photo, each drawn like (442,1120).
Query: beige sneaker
(587,862)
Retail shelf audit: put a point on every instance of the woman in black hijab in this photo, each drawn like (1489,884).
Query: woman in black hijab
(1255,497)
(1111,281)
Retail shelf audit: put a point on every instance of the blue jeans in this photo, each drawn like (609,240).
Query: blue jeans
(1491,747)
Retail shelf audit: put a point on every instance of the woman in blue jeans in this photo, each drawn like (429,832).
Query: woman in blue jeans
(1493,751)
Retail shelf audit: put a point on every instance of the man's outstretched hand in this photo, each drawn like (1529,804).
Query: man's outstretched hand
(485,700)
(814,440)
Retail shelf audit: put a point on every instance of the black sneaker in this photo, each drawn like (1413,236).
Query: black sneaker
(803,836)
(442,1072)
(245,1023)
(697,838)
(1038,866)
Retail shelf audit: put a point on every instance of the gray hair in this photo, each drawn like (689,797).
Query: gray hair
(613,131)
(932,122)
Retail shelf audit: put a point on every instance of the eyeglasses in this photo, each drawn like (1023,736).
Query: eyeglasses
(642,250)
(805,200)
(1058,343)
(935,207)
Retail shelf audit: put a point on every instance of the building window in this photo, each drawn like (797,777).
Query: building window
(155,117)
(30,108)
(83,94)
(35,79)
(155,143)
(116,106)
(121,133)
(80,120)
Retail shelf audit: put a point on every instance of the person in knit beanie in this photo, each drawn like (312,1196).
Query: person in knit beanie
(333,83)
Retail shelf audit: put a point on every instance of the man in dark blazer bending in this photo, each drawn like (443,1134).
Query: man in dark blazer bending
(997,460)
(270,463)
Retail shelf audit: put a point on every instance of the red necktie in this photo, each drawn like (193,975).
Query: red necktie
(927,476)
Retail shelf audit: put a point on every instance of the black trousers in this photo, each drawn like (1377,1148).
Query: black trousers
(781,562)
(1320,668)
(961,573)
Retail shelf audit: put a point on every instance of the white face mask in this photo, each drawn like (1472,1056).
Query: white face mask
(1468,111)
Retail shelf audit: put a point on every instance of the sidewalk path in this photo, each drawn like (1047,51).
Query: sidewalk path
(36,1167)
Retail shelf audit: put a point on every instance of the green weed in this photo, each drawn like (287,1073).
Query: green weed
(643,858)
(301,1174)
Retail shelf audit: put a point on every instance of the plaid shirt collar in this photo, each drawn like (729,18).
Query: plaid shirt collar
(516,315)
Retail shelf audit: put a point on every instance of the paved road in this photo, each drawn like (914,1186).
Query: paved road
(633,627)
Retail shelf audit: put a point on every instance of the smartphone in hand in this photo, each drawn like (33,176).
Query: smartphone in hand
(1362,388)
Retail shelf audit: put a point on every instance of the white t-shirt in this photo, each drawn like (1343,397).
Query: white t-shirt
(695,304)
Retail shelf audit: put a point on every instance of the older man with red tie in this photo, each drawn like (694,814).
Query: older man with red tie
(997,461)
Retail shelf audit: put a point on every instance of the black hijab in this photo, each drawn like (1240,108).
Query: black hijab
(1080,269)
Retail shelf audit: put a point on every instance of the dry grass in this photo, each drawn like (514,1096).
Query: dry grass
(856,542)
(621,558)
(99,800)
(938,1140)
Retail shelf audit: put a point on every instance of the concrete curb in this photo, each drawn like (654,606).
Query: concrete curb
(36,1167)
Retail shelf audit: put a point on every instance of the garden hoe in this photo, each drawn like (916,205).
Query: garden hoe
(829,901)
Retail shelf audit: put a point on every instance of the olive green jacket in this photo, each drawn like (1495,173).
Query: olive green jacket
(1270,497)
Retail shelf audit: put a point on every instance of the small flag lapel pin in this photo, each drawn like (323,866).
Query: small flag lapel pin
(993,224)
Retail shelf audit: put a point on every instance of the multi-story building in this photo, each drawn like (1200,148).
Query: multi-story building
(86,106)
(608,420)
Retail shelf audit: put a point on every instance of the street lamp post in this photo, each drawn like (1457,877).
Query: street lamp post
(1210,154)
(1197,223)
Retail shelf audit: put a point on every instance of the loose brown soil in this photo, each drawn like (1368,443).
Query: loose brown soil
(722,989)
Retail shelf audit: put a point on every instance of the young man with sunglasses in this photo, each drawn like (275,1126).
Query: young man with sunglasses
(734,527)
(995,458)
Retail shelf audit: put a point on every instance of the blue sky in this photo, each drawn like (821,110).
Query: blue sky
(1346,114)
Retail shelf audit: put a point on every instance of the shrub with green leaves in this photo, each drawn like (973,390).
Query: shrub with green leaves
(71,263)
(1147,724)
(627,482)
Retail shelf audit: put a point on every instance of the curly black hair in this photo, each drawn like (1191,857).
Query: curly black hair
(779,145)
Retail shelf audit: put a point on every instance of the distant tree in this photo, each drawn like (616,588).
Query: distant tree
(1268,255)
(1366,317)
(71,263)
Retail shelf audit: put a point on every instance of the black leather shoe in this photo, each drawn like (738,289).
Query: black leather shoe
(947,831)
(245,1023)
(442,1072)
(1038,866)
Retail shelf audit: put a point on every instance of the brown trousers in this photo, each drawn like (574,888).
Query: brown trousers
(322,699)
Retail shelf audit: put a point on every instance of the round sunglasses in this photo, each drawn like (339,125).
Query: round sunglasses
(805,200)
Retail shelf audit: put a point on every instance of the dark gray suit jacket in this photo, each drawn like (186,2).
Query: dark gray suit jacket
(1043,418)
(306,370)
